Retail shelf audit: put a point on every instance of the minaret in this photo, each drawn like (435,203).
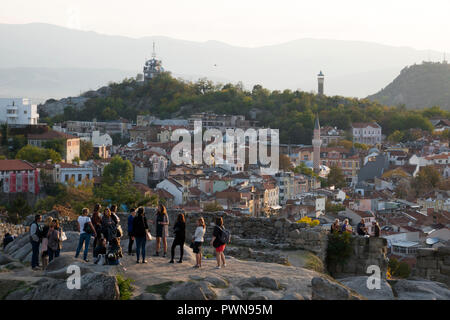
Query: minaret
(316,142)
(320,80)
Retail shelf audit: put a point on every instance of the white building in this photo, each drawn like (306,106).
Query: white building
(18,111)
(101,140)
(175,188)
(367,133)
(67,173)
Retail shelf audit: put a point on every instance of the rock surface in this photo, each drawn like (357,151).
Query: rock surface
(328,289)
(420,290)
(359,284)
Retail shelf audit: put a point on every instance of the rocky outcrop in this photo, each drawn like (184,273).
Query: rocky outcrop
(420,290)
(328,289)
(12,229)
(250,254)
(433,264)
(359,285)
(365,252)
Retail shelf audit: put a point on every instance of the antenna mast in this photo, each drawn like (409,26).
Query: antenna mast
(153,53)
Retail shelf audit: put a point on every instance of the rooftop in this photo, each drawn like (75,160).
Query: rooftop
(15,165)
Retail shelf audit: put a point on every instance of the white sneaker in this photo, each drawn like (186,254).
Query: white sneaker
(218,267)
(224,265)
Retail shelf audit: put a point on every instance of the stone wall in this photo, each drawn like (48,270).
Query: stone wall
(366,252)
(434,264)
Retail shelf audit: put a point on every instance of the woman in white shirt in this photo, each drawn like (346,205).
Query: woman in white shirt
(198,241)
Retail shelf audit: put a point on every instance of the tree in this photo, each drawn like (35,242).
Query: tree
(427,179)
(35,154)
(396,136)
(336,177)
(285,163)
(303,169)
(118,171)
(18,209)
(59,145)
(86,150)
(212,207)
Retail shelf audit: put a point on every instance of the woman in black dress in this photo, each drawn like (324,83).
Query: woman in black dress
(162,229)
(180,236)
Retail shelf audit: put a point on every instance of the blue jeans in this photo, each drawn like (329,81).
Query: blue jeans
(140,247)
(53,254)
(35,254)
(84,238)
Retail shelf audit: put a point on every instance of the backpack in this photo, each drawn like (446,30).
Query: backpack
(87,228)
(39,231)
(224,236)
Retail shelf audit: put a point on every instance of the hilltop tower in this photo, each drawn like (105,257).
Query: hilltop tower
(152,67)
(316,142)
(320,80)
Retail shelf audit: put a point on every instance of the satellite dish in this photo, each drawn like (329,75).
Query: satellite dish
(431,241)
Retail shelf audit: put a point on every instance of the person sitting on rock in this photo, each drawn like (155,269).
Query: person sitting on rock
(114,253)
(361,228)
(336,226)
(346,227)
(101,248)
(8,238)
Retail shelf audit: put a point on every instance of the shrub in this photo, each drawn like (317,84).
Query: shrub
(309,221)
(339,250)
(398,269)
(125,287)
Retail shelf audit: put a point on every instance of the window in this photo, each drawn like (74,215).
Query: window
(80,177)
(66,177)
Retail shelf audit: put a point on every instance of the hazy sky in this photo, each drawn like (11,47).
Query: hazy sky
(416,23)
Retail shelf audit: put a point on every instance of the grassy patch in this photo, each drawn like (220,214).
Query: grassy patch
(314,263)
(125,287)
(161,288)
(208,256)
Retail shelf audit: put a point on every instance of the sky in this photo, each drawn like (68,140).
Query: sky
(418,24)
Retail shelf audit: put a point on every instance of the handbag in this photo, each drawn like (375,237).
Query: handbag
(149,235)
(192,245)
(119,232)
(63,236)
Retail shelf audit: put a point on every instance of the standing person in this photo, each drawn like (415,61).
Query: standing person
(35,239)
(162,229)
(218,242)
(86,228)
(361,228)
(130,231)
(377,229)
(198,241)
(179,230)
(44,247)
(97,223)
(336,226)
(108,226)
(140,229)
(54,241)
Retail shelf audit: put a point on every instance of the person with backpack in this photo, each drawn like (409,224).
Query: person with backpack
(54,240)
(220,238)
(97,223)
(197,241)
(140,230)
(130,231)
(35,239)
(114,253)
(179,230)
(44,246)
(162,229)
(86,229)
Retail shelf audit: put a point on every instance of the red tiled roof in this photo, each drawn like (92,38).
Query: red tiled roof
(15,165)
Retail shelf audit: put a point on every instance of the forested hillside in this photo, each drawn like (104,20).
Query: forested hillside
(419,86)
(292,112)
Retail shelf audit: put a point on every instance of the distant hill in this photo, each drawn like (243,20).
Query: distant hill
(418,86)
(47,61)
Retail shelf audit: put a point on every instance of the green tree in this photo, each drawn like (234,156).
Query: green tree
(86,150)
(213,207)
(285,163)
(396,136)
(35,154)
(118,171)
(18,209)
(59,145)
(336,177)
(427,179)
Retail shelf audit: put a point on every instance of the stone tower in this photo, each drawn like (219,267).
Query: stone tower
(316,142)
(320,80)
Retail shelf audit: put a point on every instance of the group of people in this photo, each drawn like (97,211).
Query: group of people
(104,227)
(46,241)
(361,228)
(138,231)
